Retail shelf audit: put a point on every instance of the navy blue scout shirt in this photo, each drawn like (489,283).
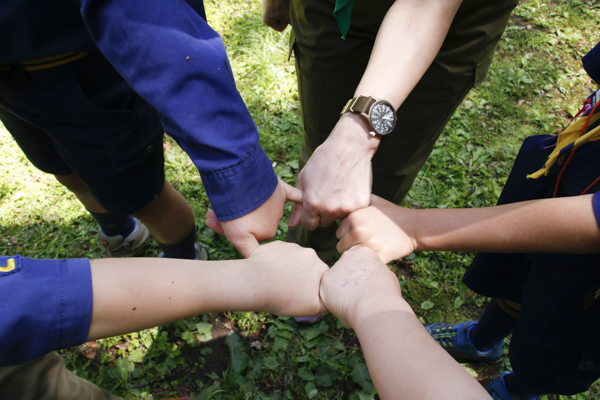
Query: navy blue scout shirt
(149,43)
(45,305)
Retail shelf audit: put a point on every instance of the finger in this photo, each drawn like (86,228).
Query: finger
(295,195)
(296,215)
(343,229)
(310,221)
(326,220)
(291,193)
(345,243)
(245,244)
(213,223)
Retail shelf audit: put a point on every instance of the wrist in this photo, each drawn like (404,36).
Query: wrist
(354,131)
(366,308)
(252,283)
(408,220)
(423,225)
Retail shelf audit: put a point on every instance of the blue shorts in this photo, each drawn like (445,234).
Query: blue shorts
(554,346)
(83,118)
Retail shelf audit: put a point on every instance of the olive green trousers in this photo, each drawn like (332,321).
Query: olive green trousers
(329,70)
(47,378)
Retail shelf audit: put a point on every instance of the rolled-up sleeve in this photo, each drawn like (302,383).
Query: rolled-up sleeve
(45,305)
(169,55)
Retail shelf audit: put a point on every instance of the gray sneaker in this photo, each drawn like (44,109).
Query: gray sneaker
(201,253)
(118,246)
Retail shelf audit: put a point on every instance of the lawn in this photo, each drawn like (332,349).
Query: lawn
(536,84)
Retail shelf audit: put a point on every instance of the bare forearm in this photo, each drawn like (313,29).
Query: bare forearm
(403,359)
(407,42)
(561,225)
(139,293)
(133,294)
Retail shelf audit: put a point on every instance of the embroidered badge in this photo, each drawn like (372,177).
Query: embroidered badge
(9,265)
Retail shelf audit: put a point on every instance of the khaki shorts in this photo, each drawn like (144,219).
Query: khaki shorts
(47,378)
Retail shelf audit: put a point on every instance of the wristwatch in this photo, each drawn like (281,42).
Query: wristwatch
(379,113)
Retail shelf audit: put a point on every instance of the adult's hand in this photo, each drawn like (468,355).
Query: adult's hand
(276,13)
(246,232)
(384,227)
(287,277)
(337,178)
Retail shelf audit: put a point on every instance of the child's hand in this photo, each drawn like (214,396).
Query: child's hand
(383,226)
(287,277)
(359,283)
(247,231)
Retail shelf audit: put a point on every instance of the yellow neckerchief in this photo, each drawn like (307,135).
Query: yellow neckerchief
(568,137)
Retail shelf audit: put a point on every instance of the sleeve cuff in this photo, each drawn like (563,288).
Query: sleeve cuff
(596,206)
(591,63)
(237,191)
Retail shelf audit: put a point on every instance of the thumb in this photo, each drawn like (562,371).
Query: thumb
(245,244)
(295,195)
(296,216)
(291,193)
(213,223)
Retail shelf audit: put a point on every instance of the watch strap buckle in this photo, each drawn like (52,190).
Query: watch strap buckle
(360,104)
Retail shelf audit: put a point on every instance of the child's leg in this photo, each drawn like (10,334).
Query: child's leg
(496,323)
(170,219)
(110,224)
(84,124)
(522,389)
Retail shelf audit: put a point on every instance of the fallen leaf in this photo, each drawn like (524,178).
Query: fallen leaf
(256,345)
(122,345)
(90,354)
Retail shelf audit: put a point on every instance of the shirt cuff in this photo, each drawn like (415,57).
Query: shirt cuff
(237,191)
(591,63)
(596,205)
(45,305)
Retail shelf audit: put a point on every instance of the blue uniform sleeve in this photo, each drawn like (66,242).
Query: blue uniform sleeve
(596,205)
(170,56)
(45,305)
(591,63)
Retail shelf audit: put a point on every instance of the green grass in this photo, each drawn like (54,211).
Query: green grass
(534,86)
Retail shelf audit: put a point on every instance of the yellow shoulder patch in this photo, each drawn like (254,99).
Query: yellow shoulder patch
(10,265)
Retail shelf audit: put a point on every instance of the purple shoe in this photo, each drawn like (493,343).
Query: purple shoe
(309,320)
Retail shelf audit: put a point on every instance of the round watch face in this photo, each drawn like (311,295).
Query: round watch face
(383,118)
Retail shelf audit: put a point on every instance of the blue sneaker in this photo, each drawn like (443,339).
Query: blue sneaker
(498,390)
(454,338)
